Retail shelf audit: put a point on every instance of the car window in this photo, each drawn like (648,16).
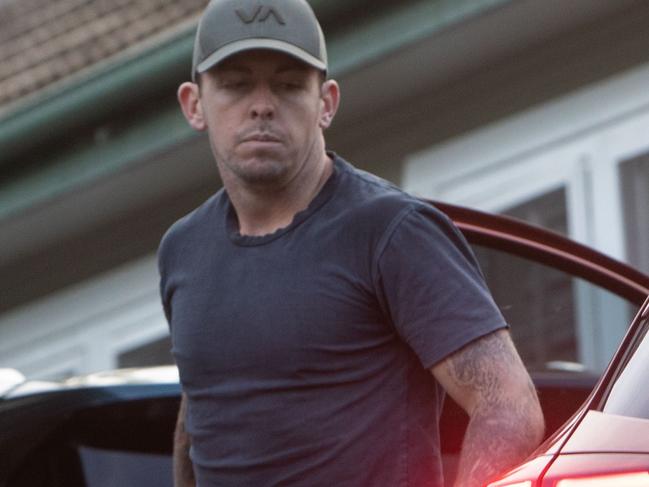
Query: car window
(627,396)
(558,321)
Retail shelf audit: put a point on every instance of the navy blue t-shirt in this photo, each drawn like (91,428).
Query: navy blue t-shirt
(305,353)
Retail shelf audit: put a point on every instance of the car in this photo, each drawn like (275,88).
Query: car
(116,428)
(112,428)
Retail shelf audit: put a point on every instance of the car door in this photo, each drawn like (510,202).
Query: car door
(548,288)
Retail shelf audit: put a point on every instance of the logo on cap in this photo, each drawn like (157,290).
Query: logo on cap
(260,14)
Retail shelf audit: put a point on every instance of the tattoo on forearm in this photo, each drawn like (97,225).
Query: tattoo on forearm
(497,437)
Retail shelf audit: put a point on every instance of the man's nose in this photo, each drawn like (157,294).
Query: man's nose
(263,103)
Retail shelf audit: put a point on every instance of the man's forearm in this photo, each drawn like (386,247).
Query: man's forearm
(488,379)
(183,468)
(497,440)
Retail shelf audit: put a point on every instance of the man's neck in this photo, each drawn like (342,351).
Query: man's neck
(261,212)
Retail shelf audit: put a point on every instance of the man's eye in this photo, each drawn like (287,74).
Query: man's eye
(289,85)
(235,84)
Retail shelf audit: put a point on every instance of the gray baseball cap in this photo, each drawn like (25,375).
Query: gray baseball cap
(228,27)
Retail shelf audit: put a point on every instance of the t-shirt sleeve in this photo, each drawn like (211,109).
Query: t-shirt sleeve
(431,287)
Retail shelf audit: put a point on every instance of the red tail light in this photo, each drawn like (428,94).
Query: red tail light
(526,483)
(634,479)
(631,479)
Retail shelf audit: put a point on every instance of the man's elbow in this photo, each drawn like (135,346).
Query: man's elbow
(524,412)
(530,417)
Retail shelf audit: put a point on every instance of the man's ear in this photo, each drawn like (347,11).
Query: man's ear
(190,103)
(330,96)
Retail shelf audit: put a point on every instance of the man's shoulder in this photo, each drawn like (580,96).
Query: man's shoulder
(373,206)
(374,196)
(189,227)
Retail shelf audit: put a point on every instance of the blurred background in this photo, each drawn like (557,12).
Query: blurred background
(534,108)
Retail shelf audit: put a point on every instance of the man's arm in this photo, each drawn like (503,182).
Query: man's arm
(488,379)
(183,469)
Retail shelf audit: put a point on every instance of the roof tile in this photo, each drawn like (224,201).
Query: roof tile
(46,41)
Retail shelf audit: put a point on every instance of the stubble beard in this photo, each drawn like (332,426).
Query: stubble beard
(263,169)
(260,170)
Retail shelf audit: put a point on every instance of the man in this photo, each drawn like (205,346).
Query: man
(318,313)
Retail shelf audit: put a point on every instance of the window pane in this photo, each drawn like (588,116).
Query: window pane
(548,293)
(547,211)
(635,191)
(538,303)
(557,321)
(552,314)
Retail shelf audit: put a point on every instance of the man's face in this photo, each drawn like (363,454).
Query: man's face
(263,112)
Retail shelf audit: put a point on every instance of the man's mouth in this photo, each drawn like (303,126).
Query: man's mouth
(261,137)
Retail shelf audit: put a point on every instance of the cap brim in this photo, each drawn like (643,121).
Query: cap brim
(259,43)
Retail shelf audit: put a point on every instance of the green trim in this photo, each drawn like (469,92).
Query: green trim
(163,129)
(394,30)
(93,98)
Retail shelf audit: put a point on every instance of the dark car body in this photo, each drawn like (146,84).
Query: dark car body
(117,428)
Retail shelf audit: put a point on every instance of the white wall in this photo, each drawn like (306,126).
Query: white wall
(84,328)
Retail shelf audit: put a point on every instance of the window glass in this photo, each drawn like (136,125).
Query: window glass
(558,322)
(538,303)
(550,312)
(634,177)
(108,468)
(540,306)
(548,210)
(627,397)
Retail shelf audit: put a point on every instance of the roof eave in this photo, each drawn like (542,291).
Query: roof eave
(93,98)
